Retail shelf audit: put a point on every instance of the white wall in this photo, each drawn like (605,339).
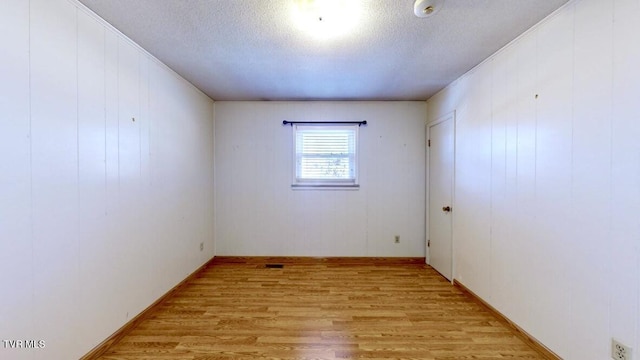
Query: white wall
(99,215)
(547,190)
(259,214)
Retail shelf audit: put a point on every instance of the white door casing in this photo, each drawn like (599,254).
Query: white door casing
(440,190)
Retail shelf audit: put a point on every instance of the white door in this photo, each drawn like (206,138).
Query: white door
(441,153)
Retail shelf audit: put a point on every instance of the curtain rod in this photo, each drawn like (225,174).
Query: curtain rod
(360,123)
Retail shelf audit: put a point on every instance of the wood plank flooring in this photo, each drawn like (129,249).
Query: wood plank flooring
(320,309)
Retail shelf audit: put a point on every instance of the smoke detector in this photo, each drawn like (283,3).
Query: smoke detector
(426,8)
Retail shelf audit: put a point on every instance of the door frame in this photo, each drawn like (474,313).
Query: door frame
(448,116)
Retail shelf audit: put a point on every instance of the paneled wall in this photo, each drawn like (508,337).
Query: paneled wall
(547,189)
(259,214)
(106,178)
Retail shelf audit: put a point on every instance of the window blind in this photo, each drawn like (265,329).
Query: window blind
(326,153)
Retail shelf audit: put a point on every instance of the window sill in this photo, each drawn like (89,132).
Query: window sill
(324,187)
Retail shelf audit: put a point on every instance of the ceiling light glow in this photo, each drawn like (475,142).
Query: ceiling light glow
(326,19)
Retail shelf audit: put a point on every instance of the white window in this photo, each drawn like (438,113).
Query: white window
(326,156)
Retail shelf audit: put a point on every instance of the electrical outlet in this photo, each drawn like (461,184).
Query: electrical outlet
(201,246)
(397,239)
(620,351)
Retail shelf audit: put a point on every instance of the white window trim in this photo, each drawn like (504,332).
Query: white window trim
(325,184)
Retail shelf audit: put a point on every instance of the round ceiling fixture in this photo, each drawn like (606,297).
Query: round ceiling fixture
(326,19)
(425,8)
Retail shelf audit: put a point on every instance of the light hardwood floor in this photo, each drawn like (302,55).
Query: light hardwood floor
(320,309)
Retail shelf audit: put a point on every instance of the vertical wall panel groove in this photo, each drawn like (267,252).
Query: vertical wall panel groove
(16,265)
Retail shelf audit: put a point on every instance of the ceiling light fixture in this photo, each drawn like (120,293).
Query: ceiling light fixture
(326,19)
(425,8)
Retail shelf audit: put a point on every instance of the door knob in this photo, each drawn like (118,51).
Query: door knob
(446,208)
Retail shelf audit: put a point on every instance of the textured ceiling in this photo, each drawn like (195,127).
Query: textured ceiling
(257,50)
